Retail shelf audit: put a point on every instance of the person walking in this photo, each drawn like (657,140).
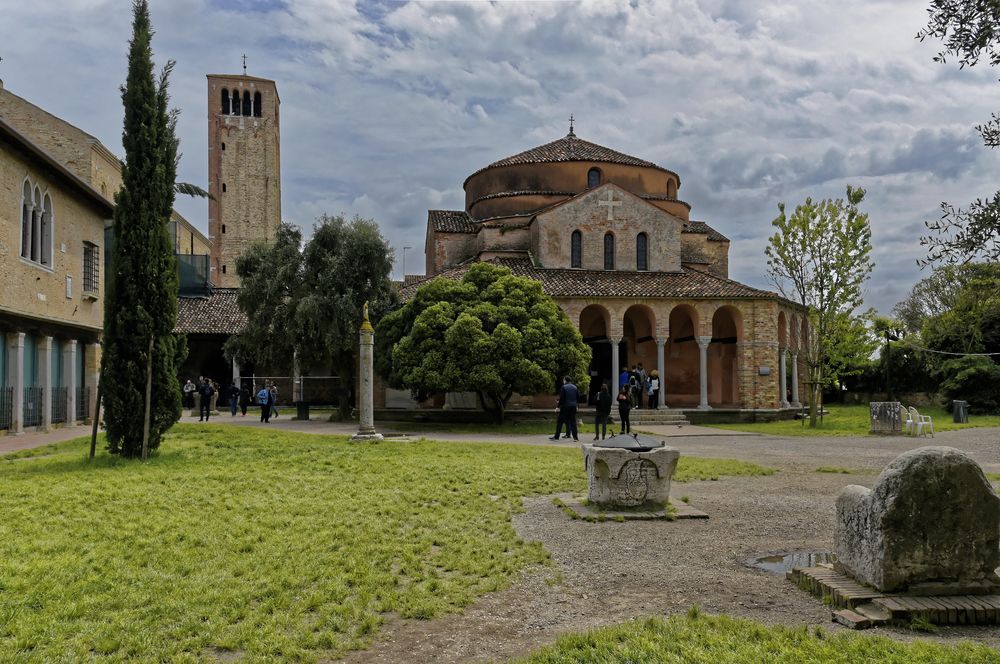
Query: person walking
(603,413)
(274,399)
(624,406)
(205,392)
(265,403)
(569,399)
(245,399)
(234,398)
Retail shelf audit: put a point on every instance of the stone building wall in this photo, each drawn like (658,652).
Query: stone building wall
(444,250)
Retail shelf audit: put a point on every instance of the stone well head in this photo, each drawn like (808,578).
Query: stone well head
(929,525)
(629,474)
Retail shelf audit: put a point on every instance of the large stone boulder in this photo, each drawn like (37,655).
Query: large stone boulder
(930,525)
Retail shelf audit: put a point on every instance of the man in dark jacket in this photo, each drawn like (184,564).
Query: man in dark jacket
(603,413)
(569,399)
(205,390)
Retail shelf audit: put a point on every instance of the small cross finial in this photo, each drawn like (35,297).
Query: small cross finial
(571,125)
(244,64)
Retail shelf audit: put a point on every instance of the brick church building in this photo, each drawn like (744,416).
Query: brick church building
(612,242)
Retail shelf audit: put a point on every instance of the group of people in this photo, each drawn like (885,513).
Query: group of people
(206,392)
(638,383)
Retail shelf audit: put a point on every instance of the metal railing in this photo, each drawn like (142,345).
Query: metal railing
(6,407)
(60,404)
(33,406)
(82,403)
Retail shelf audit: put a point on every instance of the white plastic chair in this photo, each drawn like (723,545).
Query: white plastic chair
(908,422)
(921,423)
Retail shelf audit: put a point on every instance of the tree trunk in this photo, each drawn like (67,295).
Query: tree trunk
(97,418)
(149,400)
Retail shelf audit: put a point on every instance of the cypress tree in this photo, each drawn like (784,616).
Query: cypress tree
(141,297)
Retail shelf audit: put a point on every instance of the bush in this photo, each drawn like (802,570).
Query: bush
(975,379)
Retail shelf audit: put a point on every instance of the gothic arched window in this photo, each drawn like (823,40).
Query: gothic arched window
(26,209)
(236,102)
(609,251)
(576,249)
(36,227)
(247,111)
(225,101)
(593,178)
(642,252)
(45,253)
(258,102)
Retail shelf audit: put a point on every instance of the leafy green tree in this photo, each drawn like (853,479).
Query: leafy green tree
(970,30)
(303,303)
(852,344)
(141,355)
(492,333)
(820,257)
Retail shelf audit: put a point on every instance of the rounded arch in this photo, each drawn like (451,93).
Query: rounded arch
(671,188)
(782,330)
(27,206)
(225,108)
(258,100)
(638,347)
(246,110)
(593,178)
(595,328)
(576,249)
(682,357)
(236,102)
(723,357)
(595,323)
(48,222)
(609,251)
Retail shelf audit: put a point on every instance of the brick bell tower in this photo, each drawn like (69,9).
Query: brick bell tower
(244,169)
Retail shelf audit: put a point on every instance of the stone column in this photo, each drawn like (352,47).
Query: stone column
(296,379)
(795,381)
(15,380)
(366,394)
(45,371)
(661,368)
(236,372)
(614,366)
(782,379)
(703,343)
(69,377)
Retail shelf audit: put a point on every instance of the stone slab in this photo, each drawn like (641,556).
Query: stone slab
(681,511)
(850,619)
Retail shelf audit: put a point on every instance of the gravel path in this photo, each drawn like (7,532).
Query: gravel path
(606,573)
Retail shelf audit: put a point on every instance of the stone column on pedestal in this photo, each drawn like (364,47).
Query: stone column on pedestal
(366,393)
(795,381)
(69,378)
(15,380)
(45,379)
(782,379)
(614,366)
(703,343)
(661,370)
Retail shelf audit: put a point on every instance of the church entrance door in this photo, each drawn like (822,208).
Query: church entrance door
(594,324)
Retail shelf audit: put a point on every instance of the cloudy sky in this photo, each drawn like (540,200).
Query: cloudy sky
(388,106)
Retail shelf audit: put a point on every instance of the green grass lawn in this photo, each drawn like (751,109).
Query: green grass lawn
(267,545)
(721,640)
(854,421)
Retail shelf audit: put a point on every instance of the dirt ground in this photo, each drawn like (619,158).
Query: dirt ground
(606,573)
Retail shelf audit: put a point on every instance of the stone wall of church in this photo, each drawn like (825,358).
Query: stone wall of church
(105,173)
(55,292)
(552,232)
(66,143)
(445,250)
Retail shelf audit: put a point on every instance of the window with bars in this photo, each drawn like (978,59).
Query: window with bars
(91,268)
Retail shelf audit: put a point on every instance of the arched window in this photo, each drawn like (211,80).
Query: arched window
(593,178)
(258,103)
(236,102)
(36,227)
(45,255)
(247,111)
(26,209)
(576,249)
(225,101)
(609,251)
(641,252)
(671,188)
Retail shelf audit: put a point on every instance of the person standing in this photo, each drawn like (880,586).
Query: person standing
(634,387)
(643,377)
(264,401)
(189,389)
(569,399)
(654,389)
(234,398)
(215,397)
(623,378)
(624,406)
(603,413)
(244,401)
(274,399)
(205,392)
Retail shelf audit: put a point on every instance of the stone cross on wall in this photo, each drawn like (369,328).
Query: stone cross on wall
(611,204)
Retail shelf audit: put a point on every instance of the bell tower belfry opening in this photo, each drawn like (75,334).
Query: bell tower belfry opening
(244,169)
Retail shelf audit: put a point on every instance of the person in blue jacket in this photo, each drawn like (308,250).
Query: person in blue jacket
(569,399)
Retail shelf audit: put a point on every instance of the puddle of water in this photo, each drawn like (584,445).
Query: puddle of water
(779,563)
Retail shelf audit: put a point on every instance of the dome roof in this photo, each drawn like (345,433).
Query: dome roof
(570,148)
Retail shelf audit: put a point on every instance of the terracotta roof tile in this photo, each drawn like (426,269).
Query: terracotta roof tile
(599,283)
(217,313)
(451,221)
(702,228)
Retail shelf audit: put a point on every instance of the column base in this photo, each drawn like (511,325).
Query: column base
(795,404)
(784,404)
(369,436)
(704,407)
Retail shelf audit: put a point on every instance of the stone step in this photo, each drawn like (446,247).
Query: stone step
(873,612)
(851,619)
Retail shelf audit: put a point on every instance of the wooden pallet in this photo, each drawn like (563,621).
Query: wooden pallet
(853,598)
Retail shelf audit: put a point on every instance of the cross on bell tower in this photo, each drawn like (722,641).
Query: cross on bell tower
(571,125)
(244,64)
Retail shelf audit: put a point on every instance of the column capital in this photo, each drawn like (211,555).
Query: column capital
(615,340)
(660,341)
(703,341)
